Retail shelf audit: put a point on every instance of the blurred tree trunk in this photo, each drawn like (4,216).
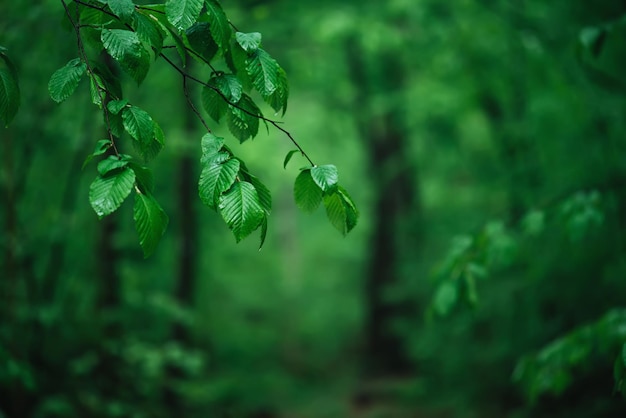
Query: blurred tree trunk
(187,250)
(188,238)
(508,114)
(107,254)
(58,248)
(379,76)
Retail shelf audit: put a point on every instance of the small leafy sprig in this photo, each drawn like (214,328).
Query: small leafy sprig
(136,36)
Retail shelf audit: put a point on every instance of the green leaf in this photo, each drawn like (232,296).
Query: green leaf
(263,232)
(230,87)
(250,42)
(101,147)
(288,157)
(325,176)
(150,150)
(112,163)
(237,60)
(139,125)
(211,145)
(148,31)
(91,16)
(201,41)
(150,222)
(9,90)
(341,210)
(121,43)
(265,197)
(241,120)
(220,28)
(122,8)
(213,102)
(126,48)
(143,176)
(65,80)
(278,99)
(111,81)
(445,298)
(307,193)
(263,71)
(97,88)
(215,179)
(137,67)
(156,12)
(116,123)
(336,212)
(352,213)
(183,13)
(114,106)
(241,209)
(107,193)
(153,148)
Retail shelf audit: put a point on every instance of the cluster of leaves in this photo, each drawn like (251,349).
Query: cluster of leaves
(136,35)
(602,52)
(470,258)
(72,344)
(552,370)
(320,183)
(581,213)
(473,257)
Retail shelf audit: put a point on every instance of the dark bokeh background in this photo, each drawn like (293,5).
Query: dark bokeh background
(484,143)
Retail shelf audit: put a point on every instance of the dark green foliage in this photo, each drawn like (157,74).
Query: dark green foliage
(127,33)
(553,369)
(9,89)
(200,40)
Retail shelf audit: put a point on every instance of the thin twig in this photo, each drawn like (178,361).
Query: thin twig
(192,106)
(274,123)
(83,54)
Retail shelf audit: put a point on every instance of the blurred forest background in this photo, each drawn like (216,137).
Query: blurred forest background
(485,144)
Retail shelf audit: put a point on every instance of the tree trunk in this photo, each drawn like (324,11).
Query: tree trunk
(188,251)
(188,238)
(395,184)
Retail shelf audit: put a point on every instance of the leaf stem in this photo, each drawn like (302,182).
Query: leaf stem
(191,105)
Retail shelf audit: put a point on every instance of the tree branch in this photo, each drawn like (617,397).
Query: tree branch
(185,75)
(83,55)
